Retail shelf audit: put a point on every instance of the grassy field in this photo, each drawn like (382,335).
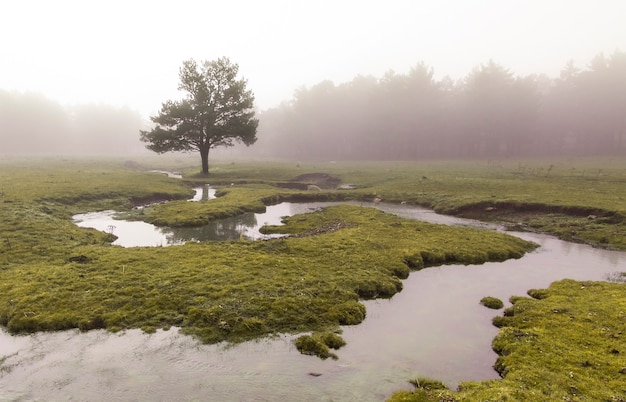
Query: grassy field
(579,200)
(55,275)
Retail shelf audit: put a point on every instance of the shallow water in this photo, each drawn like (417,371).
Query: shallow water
(435,328)
(204,193)
(142,234)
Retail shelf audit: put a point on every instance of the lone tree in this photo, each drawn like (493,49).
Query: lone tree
(217,111)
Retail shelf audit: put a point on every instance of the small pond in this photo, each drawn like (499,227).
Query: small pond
(435,328)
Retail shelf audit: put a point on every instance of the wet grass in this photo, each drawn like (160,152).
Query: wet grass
(319,344)
(492,302)
(55,275)
(579,200)
(229,202)
(566,345)
(231,290)
(576,200)
(85,184)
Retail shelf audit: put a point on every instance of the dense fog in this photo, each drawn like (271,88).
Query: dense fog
(31,124)
(488,113)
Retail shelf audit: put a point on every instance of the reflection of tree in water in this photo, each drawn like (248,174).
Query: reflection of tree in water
(208,193)
(204,193)
(222,229)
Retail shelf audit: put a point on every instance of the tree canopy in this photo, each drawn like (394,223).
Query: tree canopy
(217,111)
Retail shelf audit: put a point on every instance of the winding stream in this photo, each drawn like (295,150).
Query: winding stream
(435,328)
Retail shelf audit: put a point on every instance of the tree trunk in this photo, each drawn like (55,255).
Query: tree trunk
(204,154)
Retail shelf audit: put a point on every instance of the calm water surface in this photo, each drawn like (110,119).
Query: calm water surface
(435,327)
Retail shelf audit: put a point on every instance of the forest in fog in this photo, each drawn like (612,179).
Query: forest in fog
(488,113)
(31,124)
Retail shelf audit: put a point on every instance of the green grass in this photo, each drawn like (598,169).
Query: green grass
(320,343)
(85,184)
(233,290)
(492,302)
(567,345)
(55,275)
(580,200)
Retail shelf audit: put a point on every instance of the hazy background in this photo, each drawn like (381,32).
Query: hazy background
(83,77)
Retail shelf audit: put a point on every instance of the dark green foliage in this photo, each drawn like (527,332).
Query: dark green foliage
(492,302)
(414,261)
(348,313)
(499,321)
(332,340)
(217,111)
(319,344)
(375,289)
(433,257)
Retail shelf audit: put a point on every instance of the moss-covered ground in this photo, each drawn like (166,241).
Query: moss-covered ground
(567,345)
(55,275)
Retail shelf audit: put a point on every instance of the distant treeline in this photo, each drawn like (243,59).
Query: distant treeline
(489,113)
(31,124)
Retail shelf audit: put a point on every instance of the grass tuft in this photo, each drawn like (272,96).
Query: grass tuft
(492,302)
(319,344)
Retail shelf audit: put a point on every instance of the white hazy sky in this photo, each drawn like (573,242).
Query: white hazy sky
(127,52)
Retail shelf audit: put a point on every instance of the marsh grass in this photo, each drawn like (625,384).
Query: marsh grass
(319,344)
(55,275)
(492,302)
(581,200)
(568,344)
(233,290)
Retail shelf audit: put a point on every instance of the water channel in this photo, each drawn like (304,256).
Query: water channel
(435,328)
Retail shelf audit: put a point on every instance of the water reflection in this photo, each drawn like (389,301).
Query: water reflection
(142,234)
(222,229)
(204,193)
